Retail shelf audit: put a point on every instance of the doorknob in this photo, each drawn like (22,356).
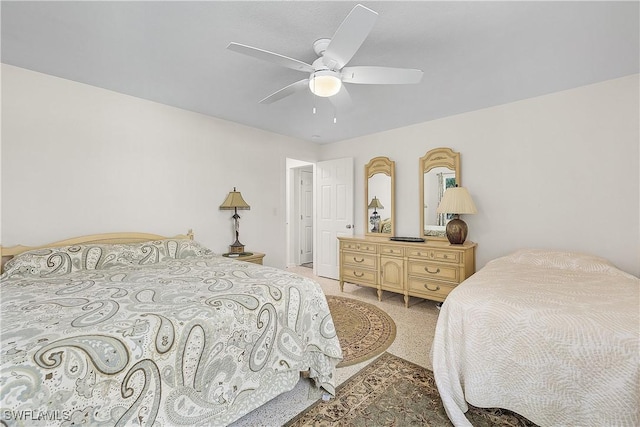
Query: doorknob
(348,225)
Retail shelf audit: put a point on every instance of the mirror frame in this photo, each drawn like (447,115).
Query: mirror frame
(438,157)
(388,167)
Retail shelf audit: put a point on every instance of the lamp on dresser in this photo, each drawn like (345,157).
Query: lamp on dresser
(456,200)
(374,219)
(235,201)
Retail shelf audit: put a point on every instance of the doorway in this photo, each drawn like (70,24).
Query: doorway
(300,213)
(305,213)
(319,203)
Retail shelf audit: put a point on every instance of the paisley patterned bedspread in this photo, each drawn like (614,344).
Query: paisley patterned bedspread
(552,336)
(156,334)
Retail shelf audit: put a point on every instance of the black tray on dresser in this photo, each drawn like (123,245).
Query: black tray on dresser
(407,239)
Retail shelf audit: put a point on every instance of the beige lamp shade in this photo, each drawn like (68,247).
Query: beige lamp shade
(456,200)
(375,204)
(234,200)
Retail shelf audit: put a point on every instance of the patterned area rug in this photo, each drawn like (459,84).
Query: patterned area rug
(392,391)
(363,329)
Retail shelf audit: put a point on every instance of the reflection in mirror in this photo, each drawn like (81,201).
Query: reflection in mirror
(379,196)
(379,193)
(439,170)
(436,181)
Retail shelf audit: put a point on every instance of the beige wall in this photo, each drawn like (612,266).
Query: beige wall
(77,160)
(556,171)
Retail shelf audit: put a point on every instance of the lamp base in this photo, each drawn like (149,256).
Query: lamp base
(374,220)
(236,248)
(456,231)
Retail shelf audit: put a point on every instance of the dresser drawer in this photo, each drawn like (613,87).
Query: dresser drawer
(429,289)
(434,271)
(359,246)
(359,259)
(391,250)
(435,255)
(358,275)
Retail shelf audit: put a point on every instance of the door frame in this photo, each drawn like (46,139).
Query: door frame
(292,237)
(292,209)
(300,207)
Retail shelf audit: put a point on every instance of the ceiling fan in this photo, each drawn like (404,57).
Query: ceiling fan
(329,71)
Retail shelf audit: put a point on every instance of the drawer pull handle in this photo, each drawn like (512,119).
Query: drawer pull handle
(431,272)
(426,285)
(356,260)
(355,273)
(445,256)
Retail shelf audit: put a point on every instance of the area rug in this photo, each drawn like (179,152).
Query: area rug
(392,391)
(364,330)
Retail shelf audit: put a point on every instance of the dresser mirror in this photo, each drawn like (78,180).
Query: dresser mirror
(439,170)
(379,179)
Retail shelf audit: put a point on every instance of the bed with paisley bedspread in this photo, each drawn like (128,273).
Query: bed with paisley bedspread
(551,335)
(156,333)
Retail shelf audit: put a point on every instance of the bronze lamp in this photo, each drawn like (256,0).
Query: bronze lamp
(235,201)
(456,200)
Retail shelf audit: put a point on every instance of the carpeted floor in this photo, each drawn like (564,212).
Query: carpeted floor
(363,329)
(392,391)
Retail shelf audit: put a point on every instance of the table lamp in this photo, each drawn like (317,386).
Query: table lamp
(374,219)
(456,201)
(235,201)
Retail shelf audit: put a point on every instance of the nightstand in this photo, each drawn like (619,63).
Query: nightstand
(254,257)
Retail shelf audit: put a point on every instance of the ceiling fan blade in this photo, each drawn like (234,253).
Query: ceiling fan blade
(381,75)
(272,57)
(342,99)
(286,91)
(349,37)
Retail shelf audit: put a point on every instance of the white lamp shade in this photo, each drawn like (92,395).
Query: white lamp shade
(456,200)
(325,83)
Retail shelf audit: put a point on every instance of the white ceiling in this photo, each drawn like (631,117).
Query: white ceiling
(474,55)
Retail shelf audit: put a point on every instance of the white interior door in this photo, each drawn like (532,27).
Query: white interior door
(334,190)
(306,215)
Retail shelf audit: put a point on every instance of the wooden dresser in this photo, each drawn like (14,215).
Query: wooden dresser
(427,270)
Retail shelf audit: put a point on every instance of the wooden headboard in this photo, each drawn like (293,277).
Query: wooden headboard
(106,238)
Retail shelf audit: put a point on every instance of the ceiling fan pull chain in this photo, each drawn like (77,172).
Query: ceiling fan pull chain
(314,97)
(314,103)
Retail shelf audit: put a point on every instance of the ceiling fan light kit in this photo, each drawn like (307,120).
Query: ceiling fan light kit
(325,83)
(328,72)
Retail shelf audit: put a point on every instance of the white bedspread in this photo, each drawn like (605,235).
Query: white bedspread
(552,336)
